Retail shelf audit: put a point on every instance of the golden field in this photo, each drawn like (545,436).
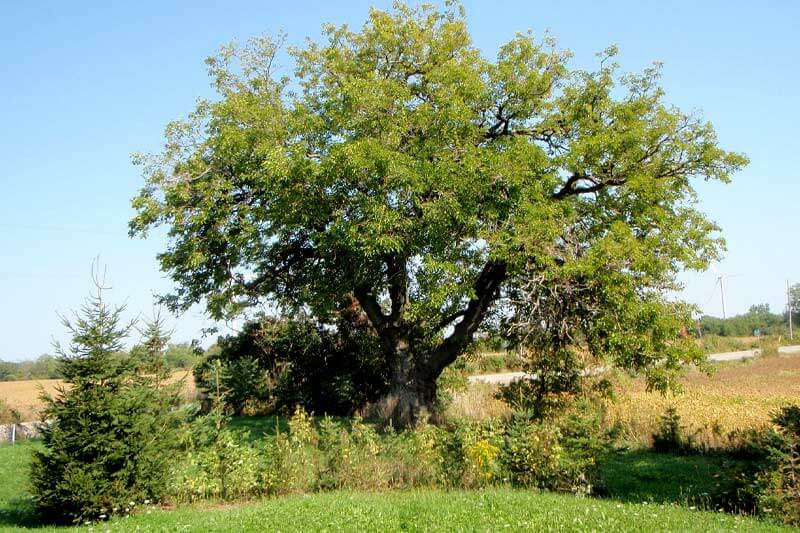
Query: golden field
(737,396)
(25,396)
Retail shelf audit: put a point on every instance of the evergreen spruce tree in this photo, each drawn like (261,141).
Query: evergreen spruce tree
(111,427)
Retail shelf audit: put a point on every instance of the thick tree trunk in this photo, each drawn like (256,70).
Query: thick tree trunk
(412,393)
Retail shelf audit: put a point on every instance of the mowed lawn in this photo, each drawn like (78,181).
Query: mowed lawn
(498,509)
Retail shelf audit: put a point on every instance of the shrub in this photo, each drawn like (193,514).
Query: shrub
(279,364)
(356,455)
(671,436)
(110,440)
(228,469)
(532,454)
(769,482)
(470,453)
(585,437)
(557,429)
(556,382)
(558,454)
(779,482)
(491,363)
(219,464)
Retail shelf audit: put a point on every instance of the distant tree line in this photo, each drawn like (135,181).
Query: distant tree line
(176,356)
(758,319)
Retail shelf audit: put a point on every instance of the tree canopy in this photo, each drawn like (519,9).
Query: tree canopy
(398,169)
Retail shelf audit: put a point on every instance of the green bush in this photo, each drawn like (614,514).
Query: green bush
(491,363)
(228,469)
(560,453)
(109,442)
(532,454)
(769,481)
(332,454)
(275,365)
(778,483)
(470,454)
(556,432)
(671,436)
(557,381)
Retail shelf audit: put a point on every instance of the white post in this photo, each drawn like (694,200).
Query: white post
(789,308)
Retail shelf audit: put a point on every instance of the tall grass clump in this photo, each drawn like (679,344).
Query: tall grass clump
(8,415)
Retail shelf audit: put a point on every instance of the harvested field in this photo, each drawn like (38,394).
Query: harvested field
(25,396)
(738,396)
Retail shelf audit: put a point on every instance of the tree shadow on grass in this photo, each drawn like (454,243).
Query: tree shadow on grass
(647,476)
(19,512)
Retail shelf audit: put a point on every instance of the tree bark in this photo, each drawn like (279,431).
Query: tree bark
(412,393)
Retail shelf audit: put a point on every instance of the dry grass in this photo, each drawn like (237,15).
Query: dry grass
(477,402)
(25,396)
(738,396)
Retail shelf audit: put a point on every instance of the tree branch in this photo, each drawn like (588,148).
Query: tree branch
(371,307)
(291,256)
(486,287)
(572,188)
(398,287)
(446,320)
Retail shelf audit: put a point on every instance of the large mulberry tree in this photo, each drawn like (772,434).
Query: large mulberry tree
(399,169)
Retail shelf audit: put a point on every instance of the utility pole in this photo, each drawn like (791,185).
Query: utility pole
(789,309)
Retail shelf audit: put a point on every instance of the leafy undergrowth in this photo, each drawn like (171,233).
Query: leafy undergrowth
(662,480)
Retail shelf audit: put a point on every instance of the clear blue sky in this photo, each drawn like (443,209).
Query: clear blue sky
(84,84)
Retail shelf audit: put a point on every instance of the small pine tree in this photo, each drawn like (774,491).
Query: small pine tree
(111,428)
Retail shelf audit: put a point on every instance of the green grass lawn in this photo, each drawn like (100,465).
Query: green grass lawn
(489,510)
(646,476)
(15,509)
(631,477)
